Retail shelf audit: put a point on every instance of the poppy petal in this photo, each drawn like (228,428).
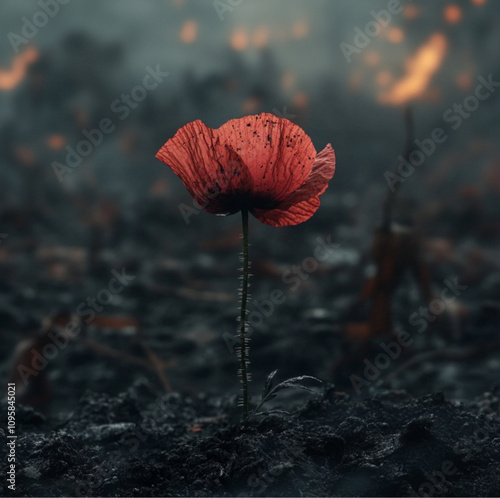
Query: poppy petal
(322,172)
(206,166)
(293,215)
(277,152)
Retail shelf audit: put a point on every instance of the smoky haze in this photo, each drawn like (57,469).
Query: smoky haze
(325,64)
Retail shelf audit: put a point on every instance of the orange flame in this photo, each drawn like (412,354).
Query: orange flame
(419,71)
(9,79)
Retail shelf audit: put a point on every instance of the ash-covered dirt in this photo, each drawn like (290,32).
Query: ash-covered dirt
(141,444)
(142,401)
(142,398)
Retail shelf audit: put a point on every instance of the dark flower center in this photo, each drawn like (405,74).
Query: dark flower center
(236,201)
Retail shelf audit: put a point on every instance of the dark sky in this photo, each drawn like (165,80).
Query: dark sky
(429,54)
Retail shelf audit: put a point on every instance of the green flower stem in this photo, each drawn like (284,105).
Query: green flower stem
(243,319)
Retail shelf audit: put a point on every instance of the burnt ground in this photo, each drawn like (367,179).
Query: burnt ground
(142,399)
(139,444)
(106,423)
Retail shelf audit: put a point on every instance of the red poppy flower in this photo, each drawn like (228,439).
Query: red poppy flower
(262,163)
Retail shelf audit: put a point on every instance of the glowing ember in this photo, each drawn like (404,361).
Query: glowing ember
(239,39)
(300,100)
(478,2)
(410,12)
(383,78)
(250,105)
(25,155)
(56,142)
(395,35)
(464,81)
(452,14)
(372,58)
(260,37)
(189,31)
(419,71)
(355,81)
(9,79)
(288,81)
(300,29)
(159,188)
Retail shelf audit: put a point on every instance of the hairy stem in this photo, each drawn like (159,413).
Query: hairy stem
(243,312)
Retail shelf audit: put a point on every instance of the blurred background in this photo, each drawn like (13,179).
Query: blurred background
(89,91)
